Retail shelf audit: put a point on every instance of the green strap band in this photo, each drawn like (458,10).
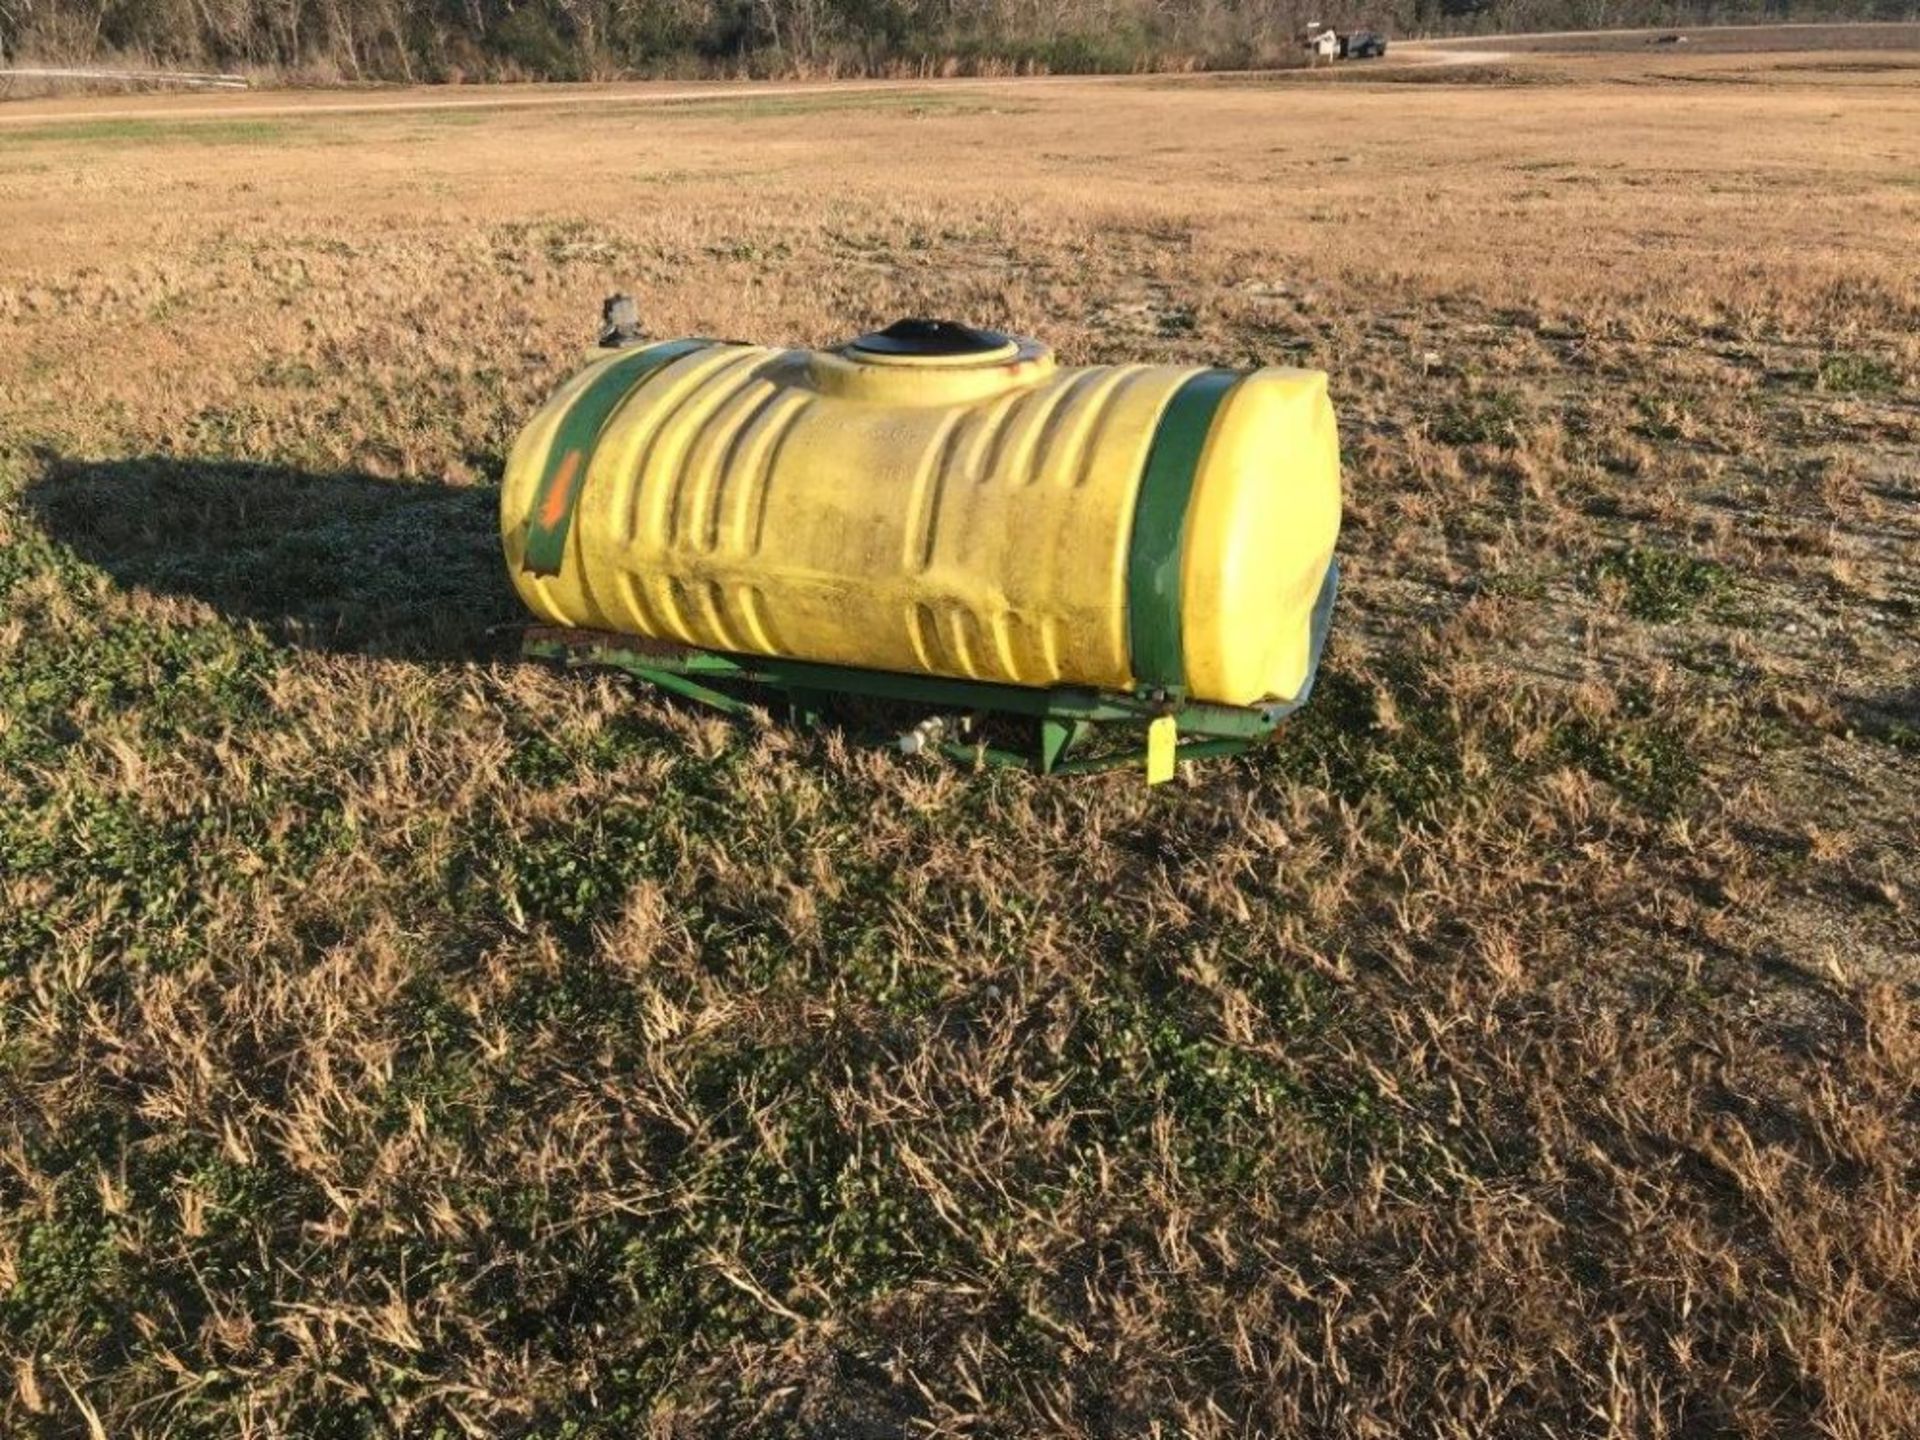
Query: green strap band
(571,454)
(1160,529)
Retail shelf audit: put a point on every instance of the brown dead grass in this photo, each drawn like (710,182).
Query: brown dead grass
(394,1038)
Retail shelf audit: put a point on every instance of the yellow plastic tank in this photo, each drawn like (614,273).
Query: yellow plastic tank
(938,500)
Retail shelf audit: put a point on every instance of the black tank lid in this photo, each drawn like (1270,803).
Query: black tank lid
(931,338)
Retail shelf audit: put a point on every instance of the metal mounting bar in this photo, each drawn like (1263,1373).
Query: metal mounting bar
(1064,718)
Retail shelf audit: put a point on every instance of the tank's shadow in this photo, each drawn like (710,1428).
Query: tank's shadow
(338,561)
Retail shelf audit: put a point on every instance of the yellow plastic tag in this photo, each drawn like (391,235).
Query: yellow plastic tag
(1162,735)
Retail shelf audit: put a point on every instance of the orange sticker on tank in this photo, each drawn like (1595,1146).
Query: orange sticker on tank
(560,490)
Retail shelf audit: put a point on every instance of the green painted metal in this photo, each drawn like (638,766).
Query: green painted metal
(679,684)
(571,454)
(1160,529)
(1067,724)
(1063,719)
(1060,736)
(1057,736)
(1096,706)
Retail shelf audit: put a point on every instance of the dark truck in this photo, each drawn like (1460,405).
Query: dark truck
(1363,45)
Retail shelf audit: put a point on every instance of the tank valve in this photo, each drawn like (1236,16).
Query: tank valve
(619,323)
(924,736)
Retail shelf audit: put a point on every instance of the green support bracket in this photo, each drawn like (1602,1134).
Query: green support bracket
(1067,725)
(679,684)
(1057,737)
(1064,721)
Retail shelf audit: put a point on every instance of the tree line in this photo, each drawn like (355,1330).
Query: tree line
(445,40)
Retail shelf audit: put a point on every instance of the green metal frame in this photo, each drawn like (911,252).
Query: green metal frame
(1064,719)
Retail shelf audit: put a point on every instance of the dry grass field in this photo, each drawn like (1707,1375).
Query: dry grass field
(399,1039)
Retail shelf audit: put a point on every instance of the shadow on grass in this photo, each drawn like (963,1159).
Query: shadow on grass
(1890,717)
(338,561)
